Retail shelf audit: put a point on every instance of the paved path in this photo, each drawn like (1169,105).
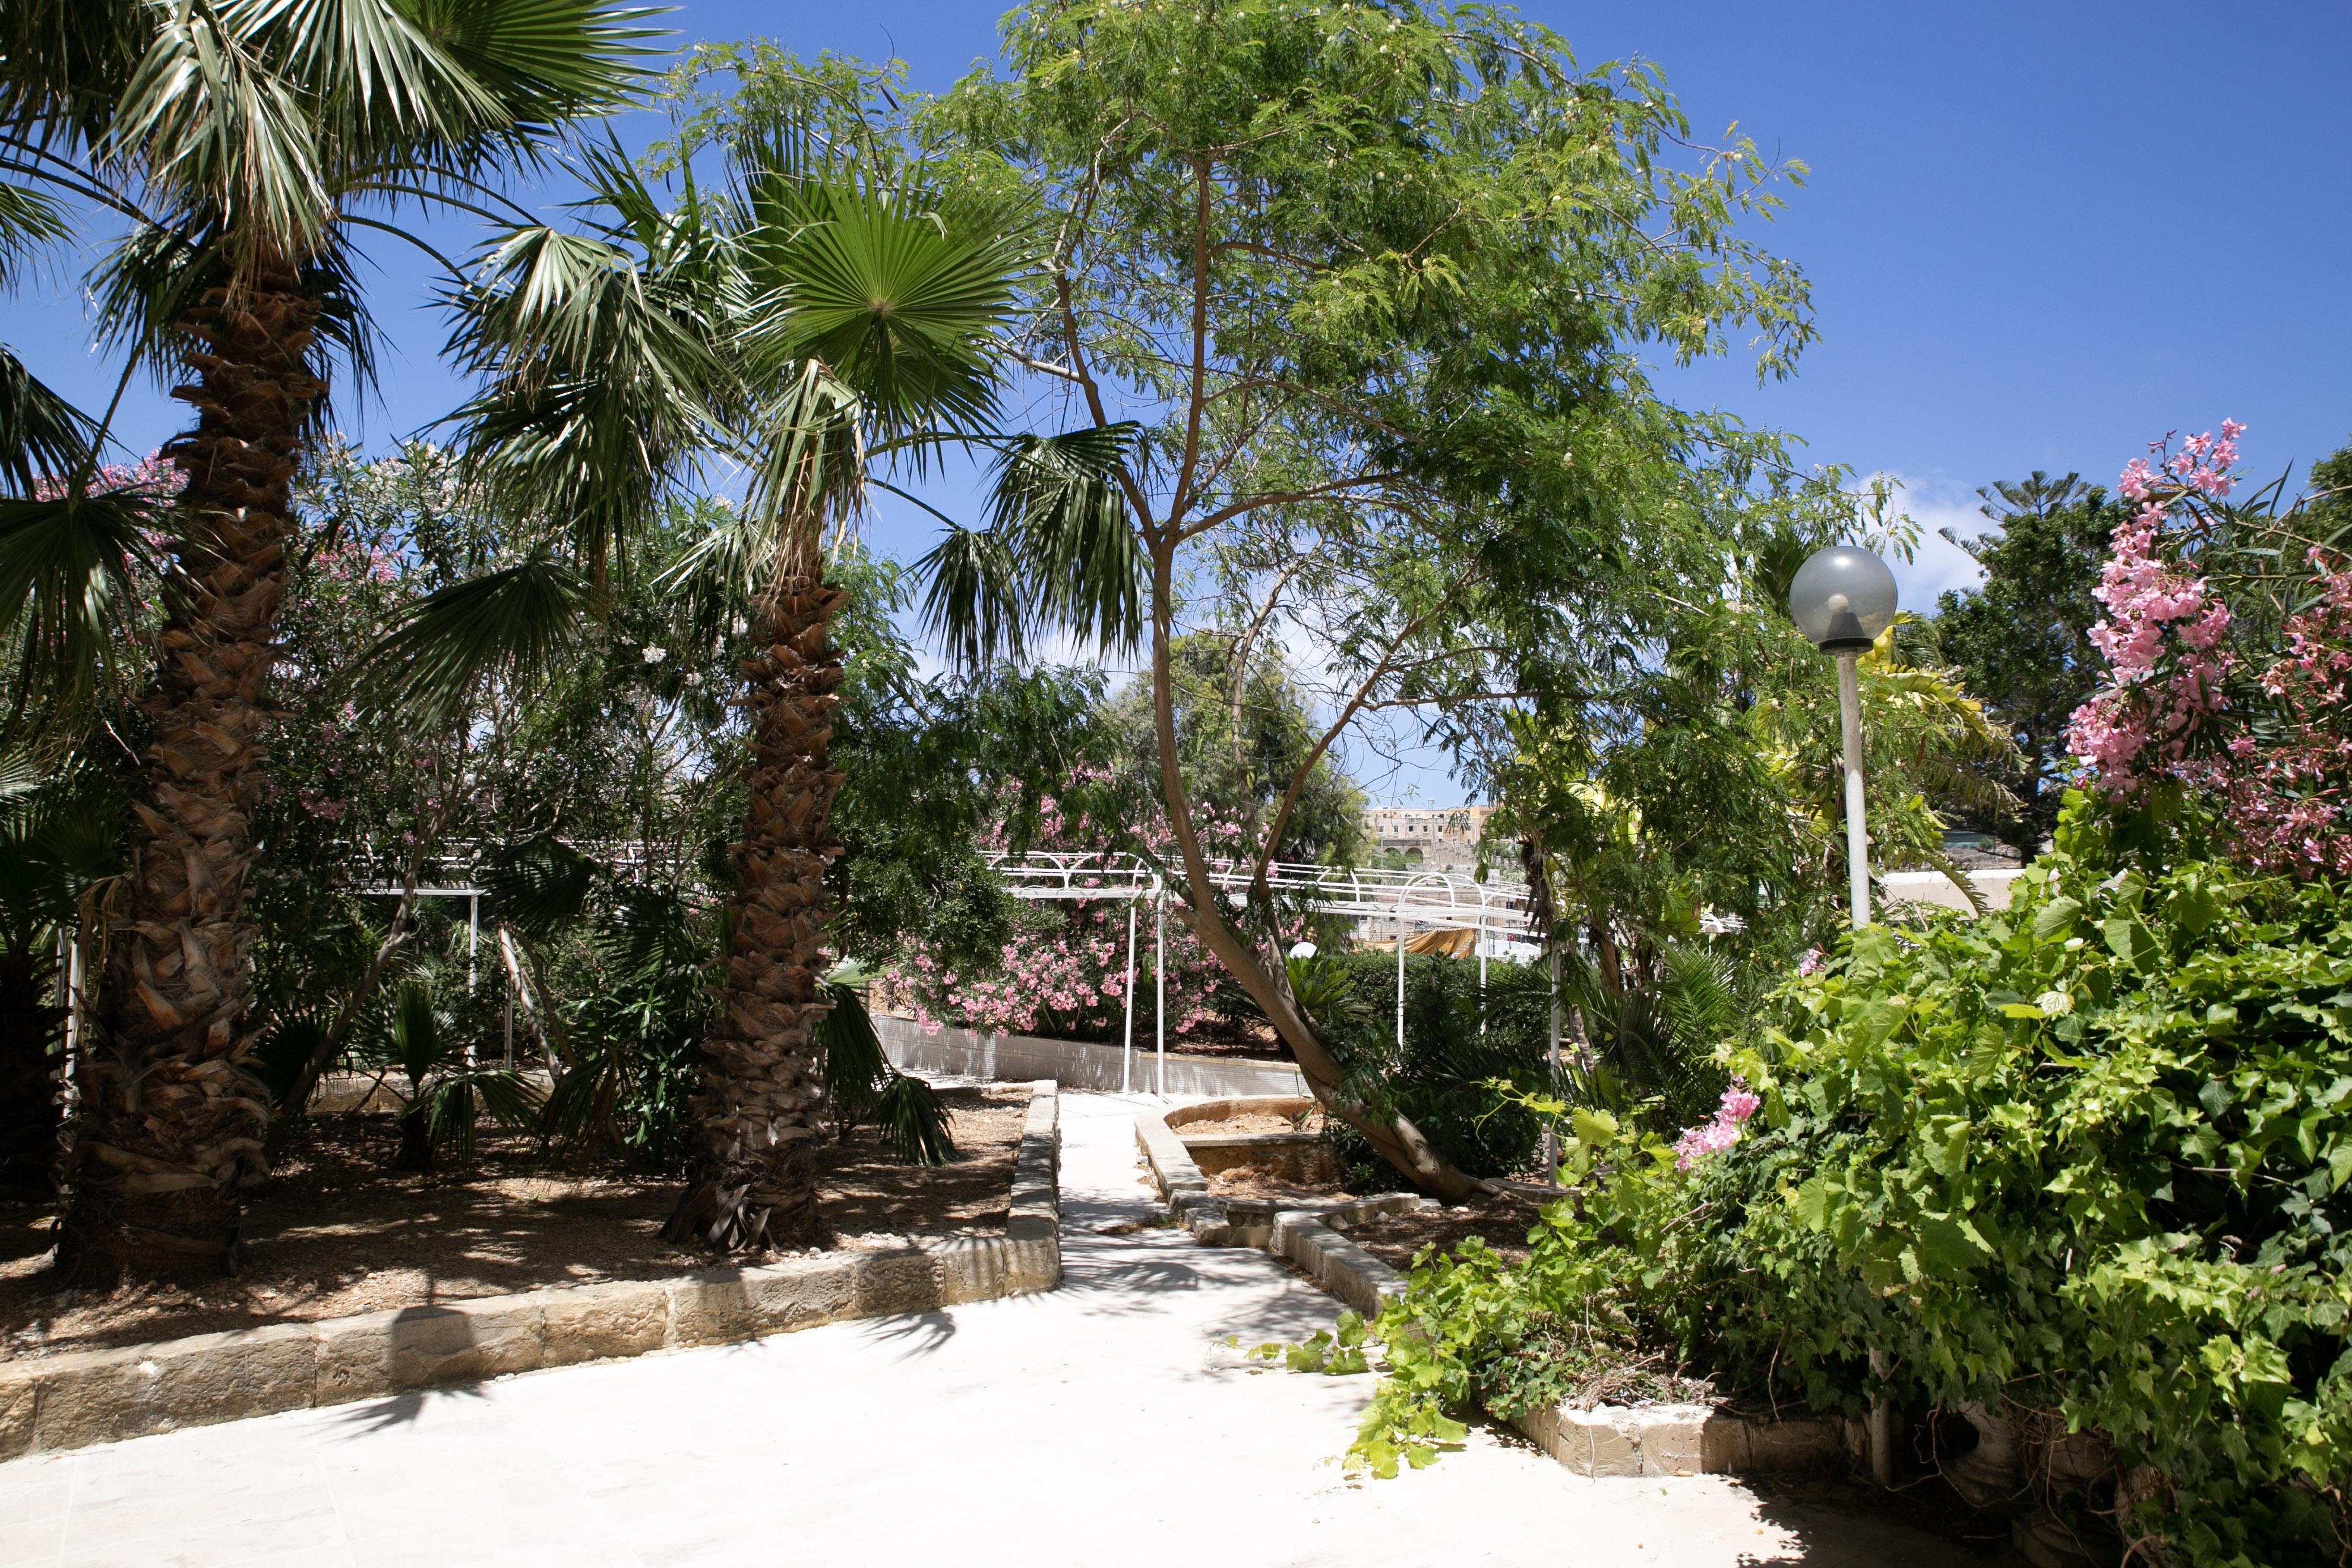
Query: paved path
(1104,1424)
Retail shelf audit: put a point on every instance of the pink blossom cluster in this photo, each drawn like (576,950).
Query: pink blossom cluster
(2285,796)
(1066,969)
(2202,464)
(2165,665)
(1731,1113)
(152,475)
(2282,778)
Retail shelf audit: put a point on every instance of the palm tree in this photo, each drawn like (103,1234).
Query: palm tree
(245,140)
(824,320)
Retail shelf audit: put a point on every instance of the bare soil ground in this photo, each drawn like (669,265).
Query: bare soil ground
(1503,1221)
(1249,1123)
(335,1232)
(1242,1182)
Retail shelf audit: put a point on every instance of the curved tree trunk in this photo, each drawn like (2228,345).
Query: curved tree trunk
(750,1167)
(1264,975)
(171,1121)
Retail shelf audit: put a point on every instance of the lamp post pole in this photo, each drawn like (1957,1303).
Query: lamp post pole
(1857,835)
(1843,598)
(1857,871)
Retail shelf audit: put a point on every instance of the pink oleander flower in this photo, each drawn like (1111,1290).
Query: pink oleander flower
(1731,1113)
(2275,761)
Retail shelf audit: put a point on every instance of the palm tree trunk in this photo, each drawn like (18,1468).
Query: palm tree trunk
(171,1119)
(751,1166)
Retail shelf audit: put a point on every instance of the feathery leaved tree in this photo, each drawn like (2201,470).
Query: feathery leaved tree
(1372,281)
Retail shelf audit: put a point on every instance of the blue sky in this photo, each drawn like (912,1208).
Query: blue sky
(2039,235)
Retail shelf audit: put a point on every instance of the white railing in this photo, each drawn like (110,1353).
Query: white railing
(1443,899)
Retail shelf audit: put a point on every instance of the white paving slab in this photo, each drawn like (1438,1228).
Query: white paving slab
(1104,1423)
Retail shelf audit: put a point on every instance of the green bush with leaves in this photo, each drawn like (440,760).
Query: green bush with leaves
(2083,1161)
(1458,1043)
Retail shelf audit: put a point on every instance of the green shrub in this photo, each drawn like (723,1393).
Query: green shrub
(2088,1156)
(1441,1077)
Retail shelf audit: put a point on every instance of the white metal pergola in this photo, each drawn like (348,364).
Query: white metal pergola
(1442,900)
(1452,900)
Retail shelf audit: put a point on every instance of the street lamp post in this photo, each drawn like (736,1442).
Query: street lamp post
(1842,598)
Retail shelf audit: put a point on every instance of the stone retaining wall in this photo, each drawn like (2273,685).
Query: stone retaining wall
(52,1403)
(1073,1063)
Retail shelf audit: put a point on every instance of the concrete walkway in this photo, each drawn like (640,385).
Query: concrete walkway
(1104,1424)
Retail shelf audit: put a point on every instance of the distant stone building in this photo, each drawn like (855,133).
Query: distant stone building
(1442,838)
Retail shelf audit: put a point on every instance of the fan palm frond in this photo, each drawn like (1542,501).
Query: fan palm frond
(860,1083)
(1057,553)
(66,567)
(516,622)
(40,432)
(539,885)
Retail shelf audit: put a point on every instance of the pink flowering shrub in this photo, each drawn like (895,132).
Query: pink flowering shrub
(1064,970)
(151,476)
(2192,702)
(1731,1113)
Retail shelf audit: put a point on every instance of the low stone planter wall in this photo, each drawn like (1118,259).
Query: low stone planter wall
(1301,1157)
(1299,1234)
(1334,1262)
(52,1403)
(1690,1439)
(372,1093)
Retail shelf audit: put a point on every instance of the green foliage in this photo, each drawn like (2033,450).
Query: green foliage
(1444,1077)
(1245,727)
(642,992)
(1336,1352)
(423,1031)
(861,1084)
(2022,641)
(931,768)
(1654,1045)
(2088,1156)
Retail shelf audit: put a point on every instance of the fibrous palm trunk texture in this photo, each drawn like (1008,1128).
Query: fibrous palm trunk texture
(751,1171)
(171,1120)
(31,1034)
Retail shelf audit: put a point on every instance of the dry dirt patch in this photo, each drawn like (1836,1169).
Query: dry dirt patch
(1249,1124)
(335,1232)
(1502,1220)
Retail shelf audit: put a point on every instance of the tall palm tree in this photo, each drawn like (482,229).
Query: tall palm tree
(247,140)
(825,319)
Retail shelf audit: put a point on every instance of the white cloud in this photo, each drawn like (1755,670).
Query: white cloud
(1940,566)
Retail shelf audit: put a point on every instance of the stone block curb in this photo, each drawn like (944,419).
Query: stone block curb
(1182,1185)
(1238,1222)
(1334,1262)
(1686,1439)
(48,1403)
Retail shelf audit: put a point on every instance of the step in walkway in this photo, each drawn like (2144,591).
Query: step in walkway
(1104,1423)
